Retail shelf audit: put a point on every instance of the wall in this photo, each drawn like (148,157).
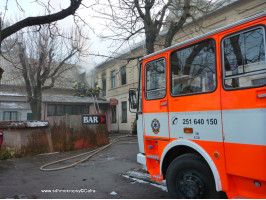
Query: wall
(26,138)
(69,133)
(61,133)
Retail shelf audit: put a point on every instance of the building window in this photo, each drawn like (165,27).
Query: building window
(76,110)
(68,110)
(30,116)
(95,82)
(123,75)
(124,112)
(104,84)
(61,110)
(51,110)
(113,114)
(113,79)
(10,116)
(244,59)
(85,110)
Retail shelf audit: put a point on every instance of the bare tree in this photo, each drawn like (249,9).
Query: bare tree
(8,30)
(42,58)
(133,18)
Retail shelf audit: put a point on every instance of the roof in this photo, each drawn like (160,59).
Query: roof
(70,99)
(48,97)
(14,106)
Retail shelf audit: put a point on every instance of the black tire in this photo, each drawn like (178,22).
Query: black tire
(189,177)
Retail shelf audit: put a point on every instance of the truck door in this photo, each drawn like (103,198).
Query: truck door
(194,105)
(155,105)
(243,100)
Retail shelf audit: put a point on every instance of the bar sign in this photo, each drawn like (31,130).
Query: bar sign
(93,119)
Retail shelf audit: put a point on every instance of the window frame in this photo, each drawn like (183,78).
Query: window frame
(125,74)
(113,79)
(216,71)
(48,111)
(114,117)
(10,115)
(145,76)
(223,71)
(75,109)
(122,121)
(104,85)
(60,109)
(95,82)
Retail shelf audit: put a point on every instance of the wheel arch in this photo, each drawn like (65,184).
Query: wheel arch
(179,147)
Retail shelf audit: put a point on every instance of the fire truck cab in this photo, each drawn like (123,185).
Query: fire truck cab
(201,113)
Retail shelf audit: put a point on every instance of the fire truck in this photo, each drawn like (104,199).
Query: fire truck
(201,113)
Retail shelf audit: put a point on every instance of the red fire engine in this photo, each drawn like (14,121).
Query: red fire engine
(201,113)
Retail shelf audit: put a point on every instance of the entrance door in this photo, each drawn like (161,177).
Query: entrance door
(155,104)
(244,103)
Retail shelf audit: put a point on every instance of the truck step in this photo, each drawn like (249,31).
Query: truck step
(153,156)
(158,176)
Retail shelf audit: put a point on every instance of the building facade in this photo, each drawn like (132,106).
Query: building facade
(117,76)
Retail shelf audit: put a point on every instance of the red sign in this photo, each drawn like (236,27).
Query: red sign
(113,102)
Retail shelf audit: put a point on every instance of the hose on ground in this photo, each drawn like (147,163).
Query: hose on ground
(91,153)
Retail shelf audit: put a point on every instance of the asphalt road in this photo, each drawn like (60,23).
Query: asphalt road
(103,176)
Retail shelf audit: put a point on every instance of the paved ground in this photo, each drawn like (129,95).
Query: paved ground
(112,173)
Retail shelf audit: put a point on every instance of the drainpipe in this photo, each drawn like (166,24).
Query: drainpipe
(44,111)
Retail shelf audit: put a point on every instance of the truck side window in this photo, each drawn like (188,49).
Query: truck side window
(244,59)
(193,69)
(155,79)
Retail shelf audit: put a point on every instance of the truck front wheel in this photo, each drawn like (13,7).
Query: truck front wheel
(189,177)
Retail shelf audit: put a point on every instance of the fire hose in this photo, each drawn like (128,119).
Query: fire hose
(91,153)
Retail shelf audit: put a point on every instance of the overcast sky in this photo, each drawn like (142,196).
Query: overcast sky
(10,10)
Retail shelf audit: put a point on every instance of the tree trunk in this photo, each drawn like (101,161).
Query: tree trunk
(36,106)
(149,47)
(150,40)
(1,73)
(176,26)
(169,37)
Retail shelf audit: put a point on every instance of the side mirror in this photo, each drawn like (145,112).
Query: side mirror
(132,99)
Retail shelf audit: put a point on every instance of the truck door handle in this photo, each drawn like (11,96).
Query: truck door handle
(261,95)
(164,104)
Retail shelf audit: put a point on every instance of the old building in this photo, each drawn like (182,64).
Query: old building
(117,76)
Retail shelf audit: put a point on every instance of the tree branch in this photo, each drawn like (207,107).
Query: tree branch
(32,21)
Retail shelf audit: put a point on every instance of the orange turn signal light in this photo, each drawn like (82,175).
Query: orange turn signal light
(188,130)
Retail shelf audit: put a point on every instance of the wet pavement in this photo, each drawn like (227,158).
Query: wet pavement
(112,173)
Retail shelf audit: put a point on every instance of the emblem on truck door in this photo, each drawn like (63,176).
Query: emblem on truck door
(155,125)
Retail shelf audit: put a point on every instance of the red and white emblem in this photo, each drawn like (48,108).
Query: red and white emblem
(155,125)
